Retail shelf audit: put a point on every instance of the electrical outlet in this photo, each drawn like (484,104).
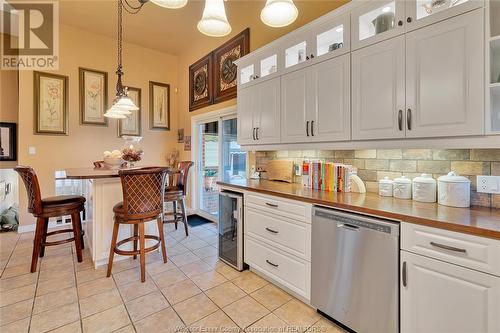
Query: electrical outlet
(488,184)
(31,150)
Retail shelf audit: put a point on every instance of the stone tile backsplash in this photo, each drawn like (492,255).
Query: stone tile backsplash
(375,164)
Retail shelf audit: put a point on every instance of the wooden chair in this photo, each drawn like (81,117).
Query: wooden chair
(43,209)
(143,192)
(176,193)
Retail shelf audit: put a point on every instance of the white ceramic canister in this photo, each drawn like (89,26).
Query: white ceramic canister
(402,188)
(424,188)
(454,190)
(385,187)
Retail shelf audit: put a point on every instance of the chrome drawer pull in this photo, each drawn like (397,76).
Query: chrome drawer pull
(272,264)
(272,205)
(447,247)
(271,230)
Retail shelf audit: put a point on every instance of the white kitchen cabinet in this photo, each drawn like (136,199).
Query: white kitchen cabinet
(445,78)
(331,38)
(440,297)
(259,113)
(316,102)
(377,20)
(420,13)
(378,90)
(294,95)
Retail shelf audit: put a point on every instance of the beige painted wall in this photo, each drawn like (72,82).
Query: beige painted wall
(85,144)
(260,35)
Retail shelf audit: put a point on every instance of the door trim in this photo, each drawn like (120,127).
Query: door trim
(216,115)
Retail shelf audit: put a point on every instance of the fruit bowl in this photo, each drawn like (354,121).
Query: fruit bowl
(114,162)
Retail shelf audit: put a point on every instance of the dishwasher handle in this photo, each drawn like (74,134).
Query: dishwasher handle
(348,226)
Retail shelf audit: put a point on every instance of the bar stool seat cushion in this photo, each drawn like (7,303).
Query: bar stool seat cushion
(119,211)
(63,200)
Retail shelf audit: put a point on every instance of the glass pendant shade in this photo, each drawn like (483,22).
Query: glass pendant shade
(279,13)
(170,4)
(214,21)
(121,109)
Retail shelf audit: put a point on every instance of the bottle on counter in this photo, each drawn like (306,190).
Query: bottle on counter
(402,188)
(306,178)
(385,187)
(424,188)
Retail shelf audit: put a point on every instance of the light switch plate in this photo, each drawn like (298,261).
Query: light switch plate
(32,150)
(488,184)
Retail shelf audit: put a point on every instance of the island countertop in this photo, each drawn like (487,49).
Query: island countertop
(98,173)
(479,221)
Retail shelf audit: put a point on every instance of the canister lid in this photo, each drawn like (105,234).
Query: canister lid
(453,177)
(402,179)
(424,178)
(386,180)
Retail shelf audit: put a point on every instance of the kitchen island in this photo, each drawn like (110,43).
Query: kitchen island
(104,191)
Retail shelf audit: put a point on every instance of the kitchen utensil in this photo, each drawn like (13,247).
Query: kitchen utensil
(402,188)
(385,187)
(383,22)
(424,188)
(454,190)
(280,170)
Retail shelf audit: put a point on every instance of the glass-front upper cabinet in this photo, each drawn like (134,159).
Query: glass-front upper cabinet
(424,12)
(261,65)
(296,52)
(331,38)
(377,20)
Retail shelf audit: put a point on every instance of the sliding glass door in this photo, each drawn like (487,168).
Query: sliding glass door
(218,157)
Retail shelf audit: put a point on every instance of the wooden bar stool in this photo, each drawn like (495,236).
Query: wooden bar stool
(43,209)
(176,193)
(143,191)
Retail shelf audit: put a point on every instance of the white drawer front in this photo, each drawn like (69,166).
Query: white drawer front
(482,254)
(289,235)
(290,208)
(294,274)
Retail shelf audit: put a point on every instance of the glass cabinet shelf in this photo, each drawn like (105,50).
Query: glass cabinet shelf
(330,40)
(429,7)
(268,65)
(246,74)
(295,55)
(377,21)
(495,107)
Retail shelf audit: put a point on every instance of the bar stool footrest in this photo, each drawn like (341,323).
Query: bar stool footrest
(59,242)
(136,252)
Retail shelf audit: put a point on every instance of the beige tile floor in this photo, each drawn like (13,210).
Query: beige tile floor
(193,292)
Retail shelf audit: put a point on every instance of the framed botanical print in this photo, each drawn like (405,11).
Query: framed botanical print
(131,126)
(200,83)
(225,71)
(8,142)
(51,104)
(93,96)
(159,106)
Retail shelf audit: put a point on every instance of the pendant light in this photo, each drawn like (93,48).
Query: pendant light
(214,21)
(122,104)
(279,13)
(170,4)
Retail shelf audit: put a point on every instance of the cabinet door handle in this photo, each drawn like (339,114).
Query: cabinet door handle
(312,56)
(405,275)
(307,57)
(271,205)
(449,248)
(400,120)
(272,264)
(253,133)
(312,127)
(400,23)
(307,128)
(257,133)
(408,19)
(408,119)
(272,231)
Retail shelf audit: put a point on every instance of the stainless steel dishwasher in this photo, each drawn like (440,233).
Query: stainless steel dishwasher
(355,270)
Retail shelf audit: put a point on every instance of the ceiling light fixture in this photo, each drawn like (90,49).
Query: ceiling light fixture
(122,105)
(279,13)
(214,22)
(170,4)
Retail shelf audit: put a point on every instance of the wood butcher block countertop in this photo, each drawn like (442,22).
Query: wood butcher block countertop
(479,221)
